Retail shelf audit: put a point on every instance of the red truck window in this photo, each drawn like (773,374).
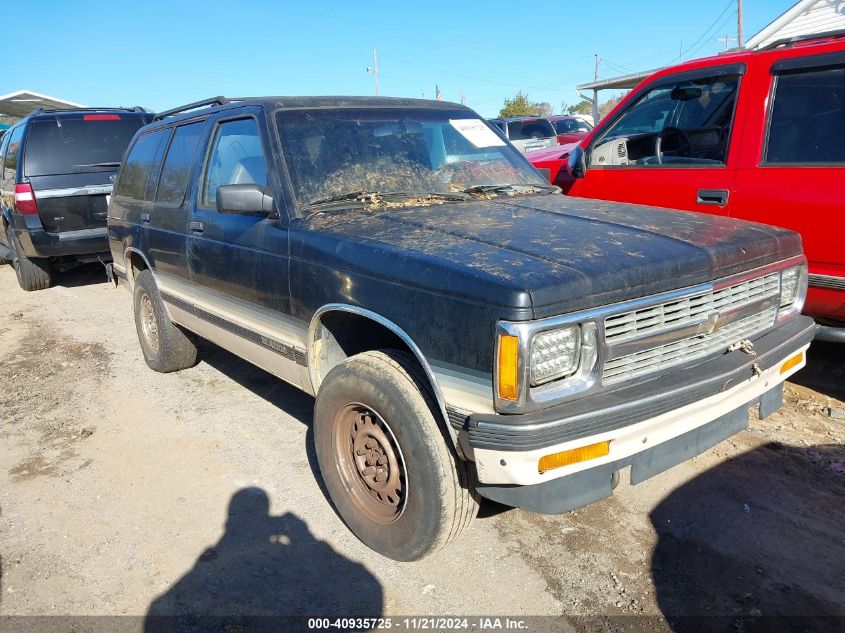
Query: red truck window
(807,122)
(685,122)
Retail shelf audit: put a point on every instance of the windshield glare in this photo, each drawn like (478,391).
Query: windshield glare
(335,152)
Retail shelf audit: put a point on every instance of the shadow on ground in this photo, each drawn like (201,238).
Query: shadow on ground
(265,573)
(825,370)
(84,275)
(757,541)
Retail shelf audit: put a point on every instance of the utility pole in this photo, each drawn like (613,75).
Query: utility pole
(374,69)
(596,92)
(739,41)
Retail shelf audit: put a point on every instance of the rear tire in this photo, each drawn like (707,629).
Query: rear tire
(388,465)
(33,274)
(166,346)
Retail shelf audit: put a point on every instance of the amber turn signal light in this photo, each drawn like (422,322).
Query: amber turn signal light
(792,362)
(573,456)
(508,367)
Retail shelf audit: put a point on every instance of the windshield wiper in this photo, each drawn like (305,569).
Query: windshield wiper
(515,188)
(363,197)
(112,164)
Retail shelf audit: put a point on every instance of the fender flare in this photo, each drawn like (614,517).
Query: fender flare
(130,280)
(403,336)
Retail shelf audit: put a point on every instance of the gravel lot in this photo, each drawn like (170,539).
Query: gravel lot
(126,492)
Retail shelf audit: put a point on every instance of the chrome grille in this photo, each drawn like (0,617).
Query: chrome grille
(688,310)
(688,349)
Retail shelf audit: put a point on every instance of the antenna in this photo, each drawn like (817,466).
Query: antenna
(374,69)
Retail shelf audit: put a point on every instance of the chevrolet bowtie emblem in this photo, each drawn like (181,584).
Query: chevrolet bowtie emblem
(710,325)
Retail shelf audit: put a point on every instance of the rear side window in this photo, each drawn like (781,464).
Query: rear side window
(236,158)
(807,123)
(564,126)
(11,161)
(86,143)
(178,163)
(138,177)
(532,128)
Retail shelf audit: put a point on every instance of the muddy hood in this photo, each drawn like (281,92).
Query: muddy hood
(551,254)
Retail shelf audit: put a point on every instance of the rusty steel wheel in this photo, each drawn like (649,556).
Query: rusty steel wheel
(149,326)
(370,462)
(166,347)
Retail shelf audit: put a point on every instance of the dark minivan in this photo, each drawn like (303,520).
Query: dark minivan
(58,169)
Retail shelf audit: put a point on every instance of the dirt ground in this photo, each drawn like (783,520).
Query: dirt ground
(127,492)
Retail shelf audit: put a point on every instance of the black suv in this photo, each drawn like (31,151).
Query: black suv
(465,330)
(58,168)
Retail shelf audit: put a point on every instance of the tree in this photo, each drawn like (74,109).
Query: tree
(582,107)
(518,105)
(544,108)
(608,105)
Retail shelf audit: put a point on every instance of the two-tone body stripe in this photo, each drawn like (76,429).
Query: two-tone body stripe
(292,353)
(826,281)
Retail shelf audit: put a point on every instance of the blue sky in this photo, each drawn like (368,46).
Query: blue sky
(161,54)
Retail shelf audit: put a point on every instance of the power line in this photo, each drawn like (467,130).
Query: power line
(467,77)
(706,35)
(724,21)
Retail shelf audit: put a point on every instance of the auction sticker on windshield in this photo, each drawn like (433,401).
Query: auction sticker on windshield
(476,132)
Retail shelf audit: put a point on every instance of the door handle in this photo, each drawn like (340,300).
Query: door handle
(197,227)
(145,218)
(718,197)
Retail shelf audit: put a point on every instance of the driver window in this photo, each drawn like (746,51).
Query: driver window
(680,123)
(236,158)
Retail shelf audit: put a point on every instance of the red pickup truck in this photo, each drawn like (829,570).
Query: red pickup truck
(757,135)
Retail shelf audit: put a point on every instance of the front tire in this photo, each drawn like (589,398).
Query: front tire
(387,464)
(166,346)
(33,274)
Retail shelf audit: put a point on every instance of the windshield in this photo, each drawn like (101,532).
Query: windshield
(83,143)
(530,128)
(340,151)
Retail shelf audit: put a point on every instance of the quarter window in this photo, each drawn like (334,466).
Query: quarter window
(236,158)
(177,164)
(680,123)
(140,171)
(12,152)
(807,123)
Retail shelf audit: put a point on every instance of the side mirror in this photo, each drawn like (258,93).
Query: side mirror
(577,163)
(248,198)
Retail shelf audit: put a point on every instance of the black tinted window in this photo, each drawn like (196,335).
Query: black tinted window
(137,179)
(178,163)
(808,118)
(91,142)
(12,151)
(530,128)
(236,159)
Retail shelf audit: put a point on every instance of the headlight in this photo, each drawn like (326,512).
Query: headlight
(790,283)
(554,354)
(793,286)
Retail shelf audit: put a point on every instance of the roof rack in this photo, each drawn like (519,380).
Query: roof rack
(107,109)
(802,38)
(213,101)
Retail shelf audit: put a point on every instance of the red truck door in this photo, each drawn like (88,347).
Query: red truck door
(671,146)
(792,171)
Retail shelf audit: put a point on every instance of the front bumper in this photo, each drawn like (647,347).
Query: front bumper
(641,422)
